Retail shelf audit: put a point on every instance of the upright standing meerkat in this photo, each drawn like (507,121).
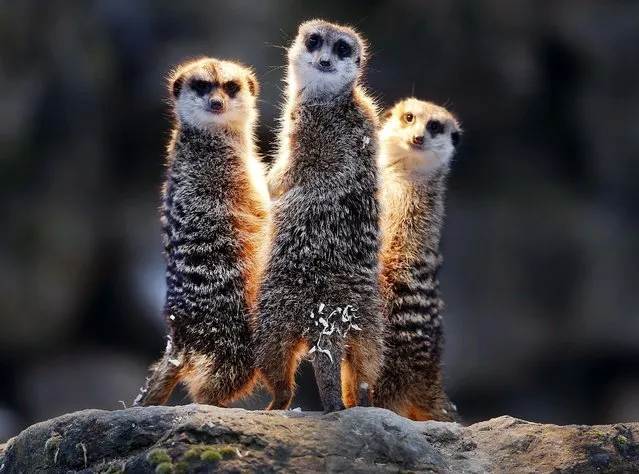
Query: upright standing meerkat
(214,219)
(418,140)
(321,292)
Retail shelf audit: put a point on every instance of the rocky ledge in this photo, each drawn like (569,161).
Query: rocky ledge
(198,439)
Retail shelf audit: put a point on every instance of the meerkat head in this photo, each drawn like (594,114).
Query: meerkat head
(418,136)
(209,93)
(325,59)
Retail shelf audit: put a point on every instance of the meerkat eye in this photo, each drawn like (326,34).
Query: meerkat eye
(201,87)
(342,49)
(232,88)
(313,42)
(408,117)
(454,138)
(435,127)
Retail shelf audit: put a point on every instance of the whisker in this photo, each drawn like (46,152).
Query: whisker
(372,53)
(272,70)
(271,45)
(284,33)
(356,25)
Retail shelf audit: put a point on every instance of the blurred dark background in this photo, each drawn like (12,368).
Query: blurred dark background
(541,241)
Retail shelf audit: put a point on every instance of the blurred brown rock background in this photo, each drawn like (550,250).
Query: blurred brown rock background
(542,236)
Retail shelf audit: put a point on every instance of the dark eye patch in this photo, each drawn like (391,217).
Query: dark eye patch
(313,42)
(201,87)
(342,49)
(232,88)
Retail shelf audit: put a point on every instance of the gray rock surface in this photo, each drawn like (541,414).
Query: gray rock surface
(197,439)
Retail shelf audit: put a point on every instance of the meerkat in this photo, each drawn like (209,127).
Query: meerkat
(320,293)
(214,220)
(418,140)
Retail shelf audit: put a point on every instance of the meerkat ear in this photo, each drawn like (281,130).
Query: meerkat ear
(254,86)
(455,137)
(176,85)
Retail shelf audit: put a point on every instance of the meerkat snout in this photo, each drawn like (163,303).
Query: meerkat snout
(216,105)
(325,64)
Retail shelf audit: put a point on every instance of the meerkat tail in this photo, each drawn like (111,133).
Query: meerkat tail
(164,376)
(327,376)
(217,383)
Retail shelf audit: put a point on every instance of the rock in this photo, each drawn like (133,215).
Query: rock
(198,438)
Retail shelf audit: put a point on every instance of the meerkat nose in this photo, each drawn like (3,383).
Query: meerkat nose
(325,63)
(418,140)
(216,105)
